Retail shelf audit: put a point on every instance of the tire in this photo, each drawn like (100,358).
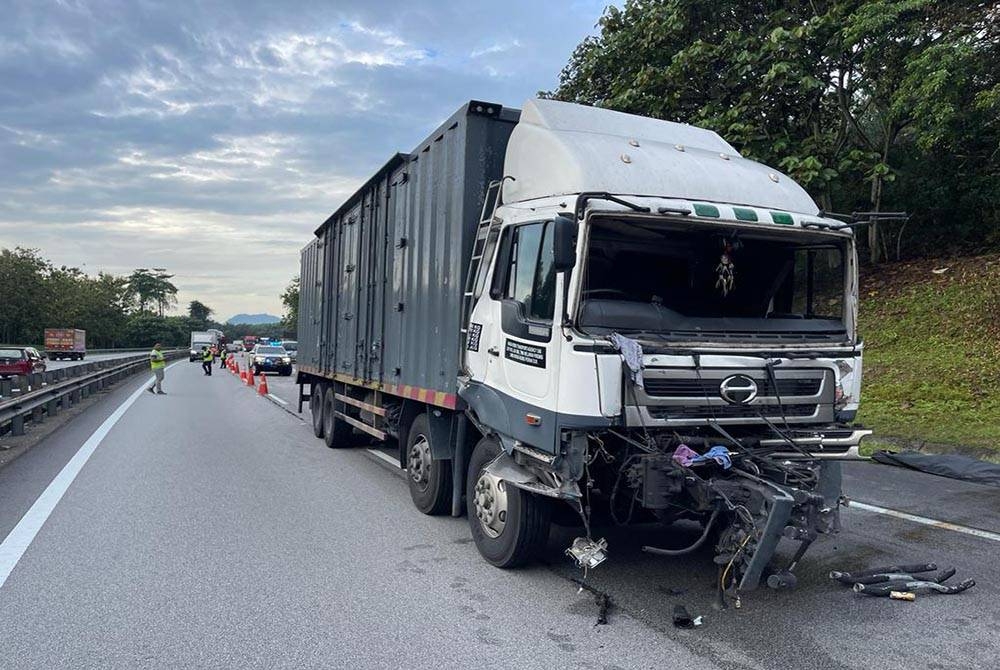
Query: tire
(429,480)
(526,527)
(316,408)
(336,433)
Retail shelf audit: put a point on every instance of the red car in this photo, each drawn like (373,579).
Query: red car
(20,361)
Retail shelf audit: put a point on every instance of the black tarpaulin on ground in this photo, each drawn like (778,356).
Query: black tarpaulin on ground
(945,465)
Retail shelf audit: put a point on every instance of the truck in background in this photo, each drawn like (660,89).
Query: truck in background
(249,342)
(201,339)
(69,343)
(619,315)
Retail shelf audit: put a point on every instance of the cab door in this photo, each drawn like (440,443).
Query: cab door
(523,347)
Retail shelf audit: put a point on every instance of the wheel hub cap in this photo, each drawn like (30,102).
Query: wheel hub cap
(491,504)
(420,462)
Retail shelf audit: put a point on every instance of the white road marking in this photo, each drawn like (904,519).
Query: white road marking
(975,532)
(276,398)
(383,456)
(22,535)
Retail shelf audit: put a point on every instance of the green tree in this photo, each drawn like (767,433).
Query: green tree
(858,100)
(153,288)
(199,311)
(290,301)
(23,274)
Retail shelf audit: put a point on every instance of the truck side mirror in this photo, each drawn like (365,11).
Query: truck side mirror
(563,243)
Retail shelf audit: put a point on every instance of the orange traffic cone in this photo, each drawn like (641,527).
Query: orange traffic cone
(243,376)
(250,380)
(262,389)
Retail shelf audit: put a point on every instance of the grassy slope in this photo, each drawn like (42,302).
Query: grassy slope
(932,351)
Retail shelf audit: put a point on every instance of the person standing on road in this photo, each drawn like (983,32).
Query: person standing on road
(223,354)
(206,360)
(157,364)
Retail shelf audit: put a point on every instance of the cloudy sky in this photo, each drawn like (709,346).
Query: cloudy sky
(211,138)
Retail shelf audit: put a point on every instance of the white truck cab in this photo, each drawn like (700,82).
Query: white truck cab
(644,288)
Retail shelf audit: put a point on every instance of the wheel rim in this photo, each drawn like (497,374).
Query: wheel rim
(491,504)
(420,463)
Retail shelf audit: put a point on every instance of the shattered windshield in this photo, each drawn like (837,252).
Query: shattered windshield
(700,279)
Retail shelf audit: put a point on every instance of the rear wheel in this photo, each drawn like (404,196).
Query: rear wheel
(509,526)
(429,479)
(336,432)
(316,408)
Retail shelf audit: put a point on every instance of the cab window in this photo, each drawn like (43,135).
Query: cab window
(525,271)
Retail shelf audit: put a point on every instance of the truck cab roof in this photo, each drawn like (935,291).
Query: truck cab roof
(564,148)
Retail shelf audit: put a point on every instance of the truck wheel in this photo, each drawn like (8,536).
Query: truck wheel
(336,432)
(429,479)
(509,526)
(316,408)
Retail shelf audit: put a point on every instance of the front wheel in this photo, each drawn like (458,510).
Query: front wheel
(429,479)
(509,525)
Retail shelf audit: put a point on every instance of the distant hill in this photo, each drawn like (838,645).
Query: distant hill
(254,319)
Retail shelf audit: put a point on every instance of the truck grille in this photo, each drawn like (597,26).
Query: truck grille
(684,396)
(664,387)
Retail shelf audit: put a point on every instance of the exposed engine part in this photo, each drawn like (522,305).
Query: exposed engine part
(686,550)
(588,553)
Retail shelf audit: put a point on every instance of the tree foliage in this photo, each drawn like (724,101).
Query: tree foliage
(115,311)
(885,104)
(199,311)
(290,301)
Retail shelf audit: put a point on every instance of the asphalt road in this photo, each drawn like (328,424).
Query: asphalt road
(210,529)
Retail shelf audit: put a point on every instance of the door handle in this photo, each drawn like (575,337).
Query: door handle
(493,351)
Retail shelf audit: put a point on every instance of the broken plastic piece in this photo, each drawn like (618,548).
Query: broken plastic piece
(853,577)
(697,621)
(682,618)
(903,595)
(887,588)
(587,553)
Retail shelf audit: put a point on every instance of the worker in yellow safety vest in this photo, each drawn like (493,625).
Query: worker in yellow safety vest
(206,360)
(157,364)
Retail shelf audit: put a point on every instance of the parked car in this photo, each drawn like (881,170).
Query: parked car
(271,358)
(20,361)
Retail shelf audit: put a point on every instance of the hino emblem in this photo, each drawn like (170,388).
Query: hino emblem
(738,389)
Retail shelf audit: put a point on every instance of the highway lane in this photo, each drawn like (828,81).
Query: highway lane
(90,358)
(821,624)
(209,529)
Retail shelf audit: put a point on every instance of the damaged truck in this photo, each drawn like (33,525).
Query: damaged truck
(570,308)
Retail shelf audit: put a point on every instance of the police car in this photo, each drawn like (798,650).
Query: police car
(271,358)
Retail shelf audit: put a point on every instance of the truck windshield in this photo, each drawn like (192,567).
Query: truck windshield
(694,281)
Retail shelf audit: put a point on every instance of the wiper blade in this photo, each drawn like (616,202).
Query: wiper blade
(583,198)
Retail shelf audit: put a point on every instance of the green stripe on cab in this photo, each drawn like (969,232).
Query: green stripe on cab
(706,210)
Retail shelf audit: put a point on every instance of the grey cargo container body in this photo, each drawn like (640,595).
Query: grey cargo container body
(382,283)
